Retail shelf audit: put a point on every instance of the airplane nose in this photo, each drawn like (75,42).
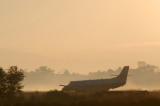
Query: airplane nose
(66,88)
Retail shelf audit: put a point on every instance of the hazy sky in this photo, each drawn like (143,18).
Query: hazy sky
(80,35)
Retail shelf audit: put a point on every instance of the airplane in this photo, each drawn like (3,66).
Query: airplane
(98,84)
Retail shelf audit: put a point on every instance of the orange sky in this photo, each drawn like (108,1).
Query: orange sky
(80,35)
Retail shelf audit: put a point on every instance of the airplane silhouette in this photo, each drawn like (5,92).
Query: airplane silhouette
(98,84)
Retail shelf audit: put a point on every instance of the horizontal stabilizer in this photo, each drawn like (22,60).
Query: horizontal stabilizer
(62,85)
(117,75)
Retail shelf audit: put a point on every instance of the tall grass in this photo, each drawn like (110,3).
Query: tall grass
(59,98)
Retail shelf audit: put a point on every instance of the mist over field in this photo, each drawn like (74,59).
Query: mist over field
(144,77)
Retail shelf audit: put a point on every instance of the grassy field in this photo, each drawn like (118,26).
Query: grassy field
(59,98)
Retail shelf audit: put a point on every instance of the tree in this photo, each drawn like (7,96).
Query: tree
(147,67)
(66,72)
(142,65)
(2,81)
(11,81)
(44,70)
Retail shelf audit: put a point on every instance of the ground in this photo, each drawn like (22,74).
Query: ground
(110,98)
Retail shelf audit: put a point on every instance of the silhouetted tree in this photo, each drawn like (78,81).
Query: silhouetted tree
(14,78)
(2,81)
(10,81)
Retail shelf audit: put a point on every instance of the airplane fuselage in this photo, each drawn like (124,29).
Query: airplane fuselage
(93,85)
(99,84)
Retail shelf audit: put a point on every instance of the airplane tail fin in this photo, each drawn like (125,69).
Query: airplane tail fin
(122,77)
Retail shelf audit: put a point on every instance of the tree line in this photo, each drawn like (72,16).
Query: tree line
(43,78)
